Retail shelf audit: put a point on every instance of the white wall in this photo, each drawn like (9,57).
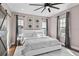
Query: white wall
(8,32)
(13,29)
(33,22)
(52,25)
(74,26)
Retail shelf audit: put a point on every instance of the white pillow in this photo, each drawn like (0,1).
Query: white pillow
(33,33)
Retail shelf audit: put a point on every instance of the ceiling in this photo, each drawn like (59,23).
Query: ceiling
(28,9)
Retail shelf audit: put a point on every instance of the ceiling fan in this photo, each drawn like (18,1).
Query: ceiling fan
(49,5)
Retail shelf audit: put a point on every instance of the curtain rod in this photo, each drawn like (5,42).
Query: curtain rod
(4,11)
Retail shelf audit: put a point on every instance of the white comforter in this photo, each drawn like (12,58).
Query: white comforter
(38,43)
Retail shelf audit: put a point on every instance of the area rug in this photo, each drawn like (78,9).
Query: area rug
(62,52)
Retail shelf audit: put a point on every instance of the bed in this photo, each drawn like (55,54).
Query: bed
(34,45)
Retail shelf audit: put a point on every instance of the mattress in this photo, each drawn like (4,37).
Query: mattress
(39,43)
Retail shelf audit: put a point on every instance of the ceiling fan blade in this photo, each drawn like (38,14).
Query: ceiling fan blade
(56,3)
(36,4)
(55,7)
(43,9)
(49,10)
(38,8)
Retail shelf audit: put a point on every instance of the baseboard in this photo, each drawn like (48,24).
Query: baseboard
(74,48)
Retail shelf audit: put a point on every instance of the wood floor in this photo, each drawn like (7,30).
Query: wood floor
(12,50)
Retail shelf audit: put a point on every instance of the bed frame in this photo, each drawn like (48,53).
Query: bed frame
(35,52)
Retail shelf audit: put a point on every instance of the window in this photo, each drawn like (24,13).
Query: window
(20,25)
(20,22)
(62,26)
(44,27)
